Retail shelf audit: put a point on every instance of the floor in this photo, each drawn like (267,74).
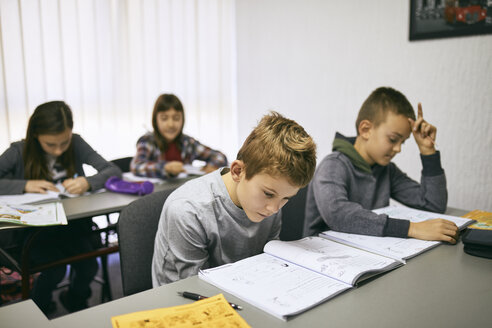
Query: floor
(116,287)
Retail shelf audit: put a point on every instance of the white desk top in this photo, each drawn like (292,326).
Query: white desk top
(23,315)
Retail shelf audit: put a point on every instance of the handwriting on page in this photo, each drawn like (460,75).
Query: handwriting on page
(210,312)
(273,284)
(328,257)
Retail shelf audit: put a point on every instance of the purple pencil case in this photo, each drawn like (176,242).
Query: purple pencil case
(126,187)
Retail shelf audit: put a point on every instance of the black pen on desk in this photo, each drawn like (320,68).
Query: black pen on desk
(196,297)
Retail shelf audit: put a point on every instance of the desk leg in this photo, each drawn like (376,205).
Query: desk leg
(25,269)
(106,286)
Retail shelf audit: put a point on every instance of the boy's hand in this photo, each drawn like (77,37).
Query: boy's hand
(39,186)
(424,133)
(435,229)
(76,186)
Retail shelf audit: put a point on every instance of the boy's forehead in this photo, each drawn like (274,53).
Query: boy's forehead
(277,182)
(397,123)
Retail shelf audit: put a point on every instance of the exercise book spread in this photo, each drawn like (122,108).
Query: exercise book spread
(397,248)
(293,276)
(32,215)
(49,196)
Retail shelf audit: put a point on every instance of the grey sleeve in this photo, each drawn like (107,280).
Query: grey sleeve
(330,185)
(104,168)
(180,248)
(10,161)
(276,227)
(431,194)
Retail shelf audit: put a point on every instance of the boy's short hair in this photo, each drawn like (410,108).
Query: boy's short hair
(381,101)
(279,146)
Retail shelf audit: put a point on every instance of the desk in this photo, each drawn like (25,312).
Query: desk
(103,202)
(23,314)
(87,207)
(107,202)
(443,287)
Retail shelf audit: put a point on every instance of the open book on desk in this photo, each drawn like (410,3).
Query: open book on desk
(398,248)
(49,196)
(32,215)
(294,276)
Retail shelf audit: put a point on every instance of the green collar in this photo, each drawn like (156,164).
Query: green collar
(346,147)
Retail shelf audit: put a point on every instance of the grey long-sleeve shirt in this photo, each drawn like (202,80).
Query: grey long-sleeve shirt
(200,227)
(341,195)
(12,179)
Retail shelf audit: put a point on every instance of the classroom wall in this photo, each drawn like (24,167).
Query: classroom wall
(317,60)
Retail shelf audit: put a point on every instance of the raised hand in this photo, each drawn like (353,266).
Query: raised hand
(424,133)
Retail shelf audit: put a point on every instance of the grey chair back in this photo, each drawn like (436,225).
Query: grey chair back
(137,227)
(123,163)
(293,216)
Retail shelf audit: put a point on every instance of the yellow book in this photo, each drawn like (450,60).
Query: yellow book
(210,312)
(484,219)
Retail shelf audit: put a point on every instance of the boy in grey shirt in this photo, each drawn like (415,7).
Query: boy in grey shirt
(359,175)
(231,213)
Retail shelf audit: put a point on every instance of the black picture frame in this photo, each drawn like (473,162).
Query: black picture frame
(431,19)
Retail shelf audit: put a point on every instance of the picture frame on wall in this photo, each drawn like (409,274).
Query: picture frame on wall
(430,19)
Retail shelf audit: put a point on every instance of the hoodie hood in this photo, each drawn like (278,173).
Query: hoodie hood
(345,145)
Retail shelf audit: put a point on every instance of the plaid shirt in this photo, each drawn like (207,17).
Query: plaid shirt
(150,161)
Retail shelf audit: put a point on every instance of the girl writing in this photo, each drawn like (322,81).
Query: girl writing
(52,154)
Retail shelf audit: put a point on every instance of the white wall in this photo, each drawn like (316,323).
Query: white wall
(317,60)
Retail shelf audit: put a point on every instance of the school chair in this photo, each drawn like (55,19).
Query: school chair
(137,226)
(293,216)
(123,163)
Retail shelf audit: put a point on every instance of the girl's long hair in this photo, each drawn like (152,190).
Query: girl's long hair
(164,103)
(49,118)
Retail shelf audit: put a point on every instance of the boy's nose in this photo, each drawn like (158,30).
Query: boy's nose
(273,207)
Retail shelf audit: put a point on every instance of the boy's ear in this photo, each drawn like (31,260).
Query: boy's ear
(365,127)
(237,170)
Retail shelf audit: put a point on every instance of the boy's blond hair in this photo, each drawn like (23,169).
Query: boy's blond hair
(279,146)
(381,101)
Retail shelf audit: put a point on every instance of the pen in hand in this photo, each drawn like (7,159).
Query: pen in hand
(196,297)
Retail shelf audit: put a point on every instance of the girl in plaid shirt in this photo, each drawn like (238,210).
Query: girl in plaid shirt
(162,153)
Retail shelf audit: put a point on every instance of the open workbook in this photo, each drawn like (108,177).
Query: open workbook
(32,215)
(397,248)
(293,276)
(38,198)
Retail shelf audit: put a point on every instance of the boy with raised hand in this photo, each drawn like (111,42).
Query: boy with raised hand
(359,175)
(231,213)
